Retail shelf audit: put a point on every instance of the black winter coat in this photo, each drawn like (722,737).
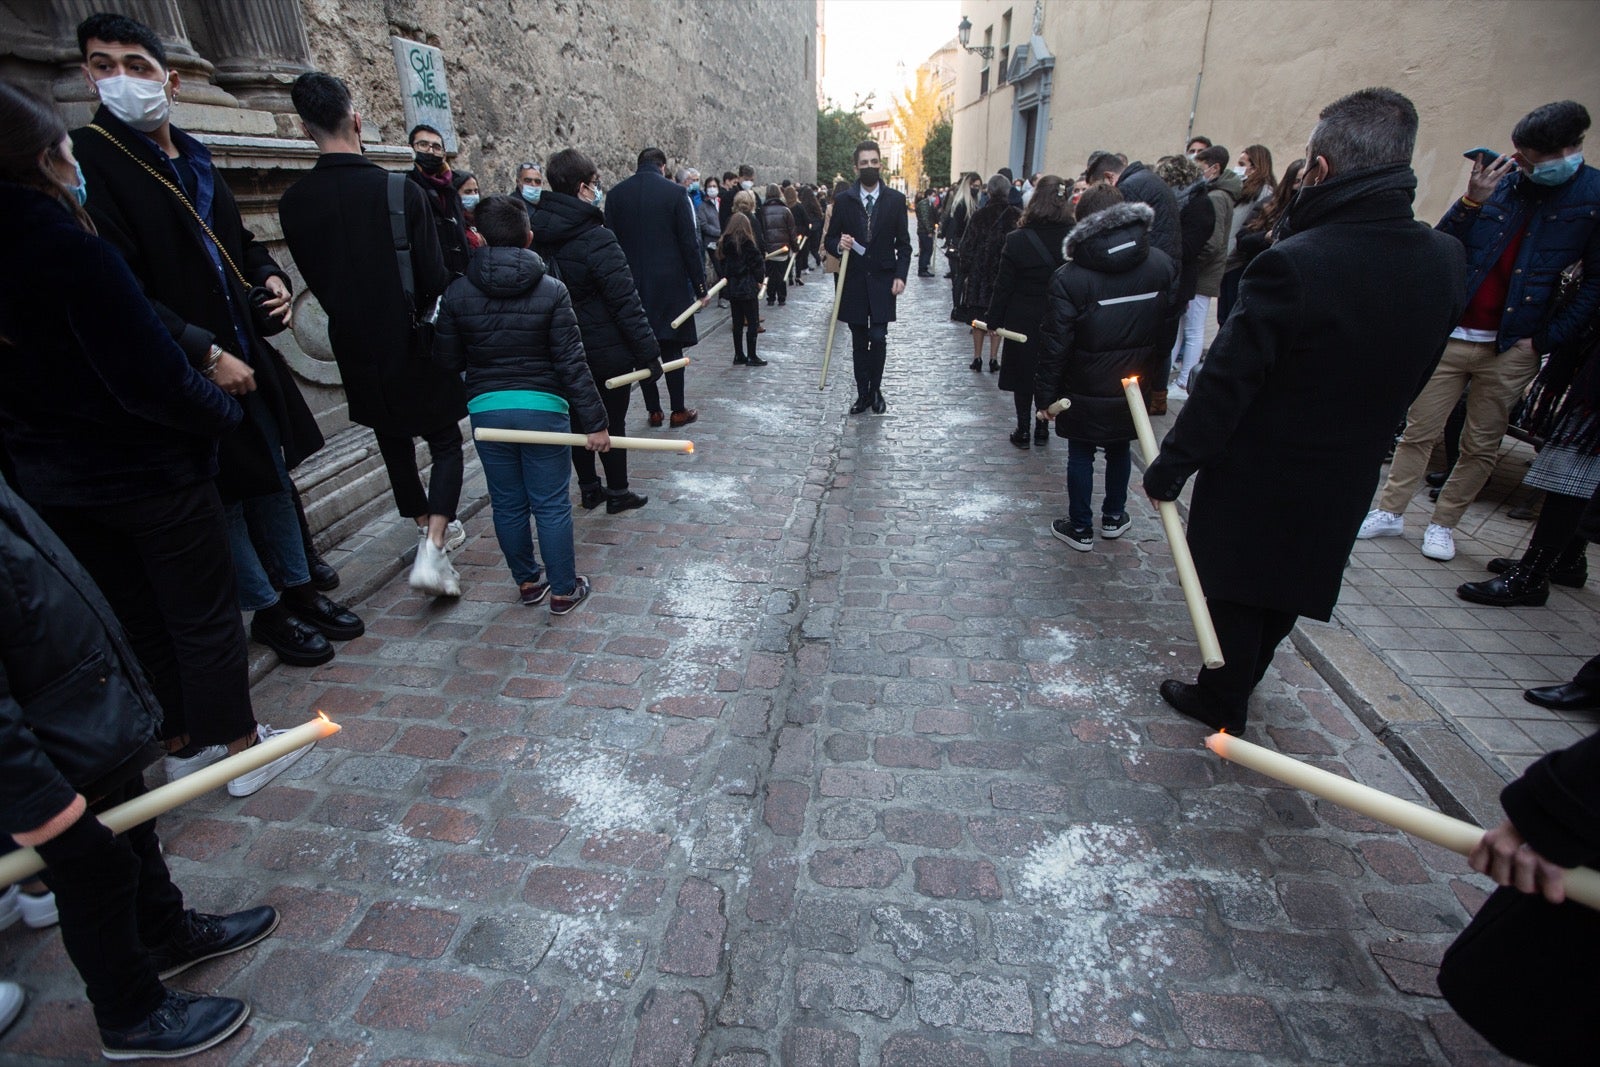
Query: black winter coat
(1335,331)
(1197,218)
(654,222)
(510,325)
(336,222)
(98,404)
(1136,182)
(778,225)
(1106,309)
(572,238)
(167,250)
(76,713)
(980,254)
(449,221)
(1018,301)
(869,280)
(745,268)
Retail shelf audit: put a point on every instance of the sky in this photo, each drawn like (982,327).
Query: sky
(867,38)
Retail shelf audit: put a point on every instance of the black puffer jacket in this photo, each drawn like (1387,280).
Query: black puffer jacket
(743,266)
(1106,307)
(76,714)
(778,226)
(571,236)
(510,325)
(1137,182)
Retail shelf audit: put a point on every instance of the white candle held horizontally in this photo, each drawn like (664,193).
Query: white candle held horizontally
(640,375)
(690,311)
(578,440)
(1001,332)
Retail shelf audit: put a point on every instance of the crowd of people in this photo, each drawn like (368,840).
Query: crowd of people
(150,428)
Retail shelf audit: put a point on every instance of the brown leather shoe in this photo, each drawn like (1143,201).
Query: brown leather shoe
(1158,402)
(684,418)
(656,418)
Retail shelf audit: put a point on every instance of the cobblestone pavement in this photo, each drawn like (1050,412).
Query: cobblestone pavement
(845,762)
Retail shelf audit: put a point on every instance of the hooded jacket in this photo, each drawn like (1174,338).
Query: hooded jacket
(510,326)
(572,238)
(1224,191)
(1106,308)
(1138,182)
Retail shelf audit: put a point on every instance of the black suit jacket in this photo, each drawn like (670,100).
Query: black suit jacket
(868,296)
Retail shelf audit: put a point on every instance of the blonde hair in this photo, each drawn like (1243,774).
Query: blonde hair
(745,200)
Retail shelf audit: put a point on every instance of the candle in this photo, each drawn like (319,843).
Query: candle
(20,864)
(690,311)
(1582,883)
(833,323)
(779,254)
(1001,332)
(578,440)
(1188,578)
(640,375)
(1058,407)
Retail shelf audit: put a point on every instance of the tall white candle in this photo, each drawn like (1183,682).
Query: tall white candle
(1582,883)
(833,323)
(640,375)
(693,308)
(578,440)
(1001,332)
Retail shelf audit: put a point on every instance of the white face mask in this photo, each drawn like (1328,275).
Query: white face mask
(139,102)
(1239,171)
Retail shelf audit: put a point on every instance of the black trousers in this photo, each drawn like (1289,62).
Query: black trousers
(777,288)
(164,566)
(868,350)
(116,900)
(1248,636)
(746,324)
(614,462)
(443,494)
(670,350)
(1159,367)
(924,253)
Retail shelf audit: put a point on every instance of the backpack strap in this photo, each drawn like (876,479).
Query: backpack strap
(1038,245)
(402,240)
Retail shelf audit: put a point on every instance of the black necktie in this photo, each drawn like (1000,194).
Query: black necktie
(871,202)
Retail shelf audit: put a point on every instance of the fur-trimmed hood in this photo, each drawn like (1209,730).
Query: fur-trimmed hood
(1114,240)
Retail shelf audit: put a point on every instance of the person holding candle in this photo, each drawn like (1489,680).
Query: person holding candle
(743,265)
(980,263)
(1337,326)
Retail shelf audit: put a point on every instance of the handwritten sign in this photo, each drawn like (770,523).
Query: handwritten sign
(423,92)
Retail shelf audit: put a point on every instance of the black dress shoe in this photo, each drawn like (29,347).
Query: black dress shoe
(756,361)
(1517,587)
(295,642)
(328,617)
(1041,433)
(862,403)
(624,500)
(205,937)
(1572,577)
(1436,479)
(739,361)
(1020,438)
(994,366)
(1569,696)
(878,405)
(976,364)
(182,1025)
(323,576)
(1187,700)
(593,496)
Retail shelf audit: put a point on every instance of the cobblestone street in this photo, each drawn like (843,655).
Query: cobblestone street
(846,763)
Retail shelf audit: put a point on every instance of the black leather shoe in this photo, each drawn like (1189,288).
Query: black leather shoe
(205,937)
(1436,479)
(862,403)
(1572,577)
(1041,433)
(878,404)
(626,500)
(1186,700)
(757,361)
(328,617)
(1517,587)
(591,496)
(183,1024)
(1569,696)
(976,364)
(323,576)
(1020,438)
(295,642)
(994,366)
(739,361)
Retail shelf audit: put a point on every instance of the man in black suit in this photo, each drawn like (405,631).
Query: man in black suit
(654,222)
(870,225)
(337,223)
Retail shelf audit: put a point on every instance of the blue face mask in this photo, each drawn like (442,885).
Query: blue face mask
(694,187)
(599,196)
(470,200)
(81,190)
(530,193)
(1556,171)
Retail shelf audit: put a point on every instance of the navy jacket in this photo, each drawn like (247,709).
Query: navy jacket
(1563,225)
(655,224)
(867,281)
(98,404)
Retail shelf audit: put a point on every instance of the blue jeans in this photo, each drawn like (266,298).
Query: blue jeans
(1080,480)
(531,481)
(276,549)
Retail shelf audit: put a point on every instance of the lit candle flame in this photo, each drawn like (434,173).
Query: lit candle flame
(1130,378)
(323,715)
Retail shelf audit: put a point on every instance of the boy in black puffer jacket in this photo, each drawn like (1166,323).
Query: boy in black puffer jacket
(510,326)
(1106,309)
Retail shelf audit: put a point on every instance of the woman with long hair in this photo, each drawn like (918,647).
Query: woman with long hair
(953,226)
(812,207)
(1255,167)
(1259,230)
(744,266)
(980,262)
(1030,255)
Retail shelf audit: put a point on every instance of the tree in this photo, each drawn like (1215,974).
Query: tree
(914,117)
(838,133)
(936,154)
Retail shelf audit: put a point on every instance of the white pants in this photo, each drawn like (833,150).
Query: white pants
(1191,339)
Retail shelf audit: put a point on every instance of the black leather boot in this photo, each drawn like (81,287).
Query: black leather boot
(1570,569)
(1526,584)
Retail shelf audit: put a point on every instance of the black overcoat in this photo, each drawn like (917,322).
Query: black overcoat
(869,280)
(654,222)
(1018,300)
(1336,330)
(572,237)
(166,248)
(980,254)
(336,221)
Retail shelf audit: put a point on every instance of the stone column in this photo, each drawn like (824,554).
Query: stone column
(259,47)
(164,17)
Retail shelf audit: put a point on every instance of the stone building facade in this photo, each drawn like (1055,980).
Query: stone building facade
(713,83)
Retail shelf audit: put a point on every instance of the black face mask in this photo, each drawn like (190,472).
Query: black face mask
(430,164)
(869,175)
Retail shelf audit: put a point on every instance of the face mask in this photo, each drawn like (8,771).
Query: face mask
(531,193)
(429,164)
(1239,171)
(711,191)
(599,196)
(869,175)
(470,200)
(1556,171)
(139,102)
(694,187)
(81,190)
(747,185)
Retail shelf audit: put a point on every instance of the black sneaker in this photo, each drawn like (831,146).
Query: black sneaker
(1079,537)
(1114,526)
(204,937)
(184,1023)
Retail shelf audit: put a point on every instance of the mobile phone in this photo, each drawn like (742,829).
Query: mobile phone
(1481,156)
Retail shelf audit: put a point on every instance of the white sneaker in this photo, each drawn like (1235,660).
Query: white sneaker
(1380,523)
(449,577)
(1439,543)
(426,574)
(11,1000)
(35,912)
(179,767)
(455,535)
(10,910)
(253,781)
